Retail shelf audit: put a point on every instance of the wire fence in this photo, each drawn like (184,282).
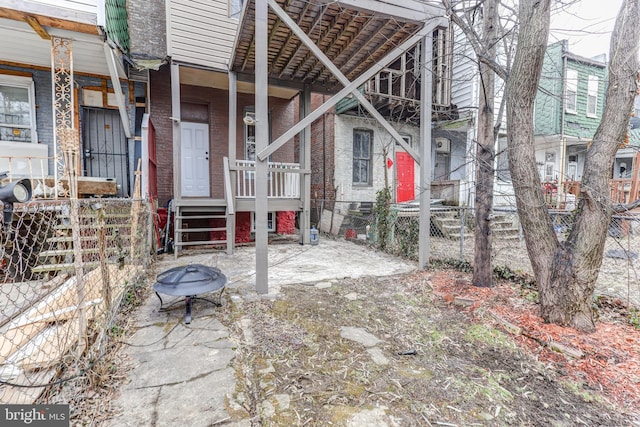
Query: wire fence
(66,267)
(452,238)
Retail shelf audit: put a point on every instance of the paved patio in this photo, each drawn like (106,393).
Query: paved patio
(182,374)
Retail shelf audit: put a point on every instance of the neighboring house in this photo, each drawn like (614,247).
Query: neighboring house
(205,110)
(354,156)
(86,41)
(568,110)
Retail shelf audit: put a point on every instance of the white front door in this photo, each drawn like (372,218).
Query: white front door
(195,159)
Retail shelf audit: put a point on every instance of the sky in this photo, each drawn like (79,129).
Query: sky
(587,25)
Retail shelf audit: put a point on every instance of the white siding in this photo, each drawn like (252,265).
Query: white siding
(465,71)
(344,126)
(83,11)
(200,32)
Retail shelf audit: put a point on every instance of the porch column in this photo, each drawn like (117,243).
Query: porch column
(233,108)
(425,152)
(262,141)
(177,163)
(305,160)
(63,98)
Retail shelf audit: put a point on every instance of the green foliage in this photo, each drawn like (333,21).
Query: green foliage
(383,217)
(634,317)
(407,237)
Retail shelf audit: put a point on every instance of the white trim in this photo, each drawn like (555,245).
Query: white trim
(571,85)
(25,83)
(592,91)
(271,218)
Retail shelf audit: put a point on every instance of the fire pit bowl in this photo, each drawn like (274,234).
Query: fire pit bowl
(189,281)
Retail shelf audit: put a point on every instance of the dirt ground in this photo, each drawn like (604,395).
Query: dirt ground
(427,349)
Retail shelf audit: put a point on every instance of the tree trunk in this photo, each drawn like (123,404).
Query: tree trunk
(482,270)
(566,272)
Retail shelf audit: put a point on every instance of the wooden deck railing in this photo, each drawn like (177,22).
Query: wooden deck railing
(284,180)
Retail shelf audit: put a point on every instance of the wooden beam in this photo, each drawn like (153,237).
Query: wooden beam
(115,82)
(262,141)
(17,11)
(391,56)
(336,72)
(424,243)
(39,29)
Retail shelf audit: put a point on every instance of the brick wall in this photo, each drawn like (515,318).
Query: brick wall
(322,155)
(147,24)
(217,100)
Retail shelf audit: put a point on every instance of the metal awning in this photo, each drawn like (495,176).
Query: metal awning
(353,34)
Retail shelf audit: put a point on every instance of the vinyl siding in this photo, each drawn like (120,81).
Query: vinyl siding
(200,32)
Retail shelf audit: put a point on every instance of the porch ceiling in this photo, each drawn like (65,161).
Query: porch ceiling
(353,34)
(22,45)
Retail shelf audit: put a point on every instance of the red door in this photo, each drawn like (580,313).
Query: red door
(405,189)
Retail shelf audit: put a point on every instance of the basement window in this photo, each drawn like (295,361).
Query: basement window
(17,109)
(271,222)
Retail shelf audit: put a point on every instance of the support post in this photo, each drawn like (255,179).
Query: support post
(262,141)
(177,163)
(425,152)
(233,117)
(305,158)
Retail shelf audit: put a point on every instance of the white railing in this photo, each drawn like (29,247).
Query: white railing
(284,180)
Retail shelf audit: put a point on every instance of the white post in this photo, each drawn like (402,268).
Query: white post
(425,152)
(262,141)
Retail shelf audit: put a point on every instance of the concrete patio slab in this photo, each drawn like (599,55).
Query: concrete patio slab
(181,373)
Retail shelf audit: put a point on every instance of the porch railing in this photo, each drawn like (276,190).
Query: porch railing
(623,190)
(283,180)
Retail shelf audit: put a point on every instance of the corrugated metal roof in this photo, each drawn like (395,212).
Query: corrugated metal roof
(352,38)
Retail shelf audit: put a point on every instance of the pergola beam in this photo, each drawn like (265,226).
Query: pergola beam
(349,88)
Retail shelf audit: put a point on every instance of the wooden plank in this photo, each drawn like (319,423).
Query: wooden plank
(68,22)
(45,349)
(26,395)
(90,186)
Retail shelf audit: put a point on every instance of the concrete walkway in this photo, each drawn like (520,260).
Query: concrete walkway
(182,374)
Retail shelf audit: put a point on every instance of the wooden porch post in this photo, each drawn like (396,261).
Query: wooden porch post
(305,159)
(177,163)
(262,141)
(425,152)
(233,108)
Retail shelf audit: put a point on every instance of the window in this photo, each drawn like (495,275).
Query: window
(362,145)
(271,222)
(235,8)
(592,97)
(17,109)
(571,91)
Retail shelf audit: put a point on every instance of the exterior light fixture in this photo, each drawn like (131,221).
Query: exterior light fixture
(13,192)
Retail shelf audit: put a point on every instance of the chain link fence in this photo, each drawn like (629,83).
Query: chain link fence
(452,238)
(66,267)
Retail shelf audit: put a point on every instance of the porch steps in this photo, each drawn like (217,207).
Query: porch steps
(200,223)
(447,224)
(59,254)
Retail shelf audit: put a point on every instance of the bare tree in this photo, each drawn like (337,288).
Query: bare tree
(566,272)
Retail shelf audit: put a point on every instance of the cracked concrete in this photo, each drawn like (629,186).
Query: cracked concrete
(183,374)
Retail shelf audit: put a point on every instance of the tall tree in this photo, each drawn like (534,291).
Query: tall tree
(482,269)
(565,272)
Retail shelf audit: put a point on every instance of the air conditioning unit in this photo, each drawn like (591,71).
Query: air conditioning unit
(443,146)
